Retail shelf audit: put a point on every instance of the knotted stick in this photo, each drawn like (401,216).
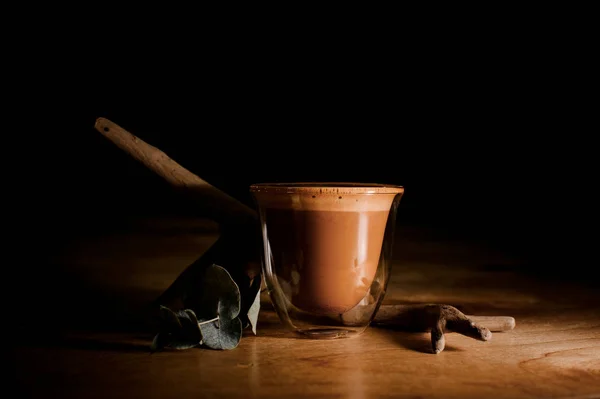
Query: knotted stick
(439,319)
(221,207)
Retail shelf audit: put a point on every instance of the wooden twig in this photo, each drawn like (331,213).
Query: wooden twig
(495,323)
(397,315)
(439,319)
(220,206)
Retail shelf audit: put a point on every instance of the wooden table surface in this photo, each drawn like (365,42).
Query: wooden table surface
(86,343)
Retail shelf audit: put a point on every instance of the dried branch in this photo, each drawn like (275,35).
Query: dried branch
(439,319)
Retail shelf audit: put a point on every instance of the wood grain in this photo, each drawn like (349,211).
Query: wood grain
(553,351)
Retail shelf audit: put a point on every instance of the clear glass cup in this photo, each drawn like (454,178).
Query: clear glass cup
(327,250)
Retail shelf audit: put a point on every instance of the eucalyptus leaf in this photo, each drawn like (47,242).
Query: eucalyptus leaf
(169,322)
(177,330)
(219,295)
(255,308)
(222,334)
(159,342)
(169,319)
(190,335)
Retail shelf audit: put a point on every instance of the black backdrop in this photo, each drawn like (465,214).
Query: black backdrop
(486,143)
(467,168)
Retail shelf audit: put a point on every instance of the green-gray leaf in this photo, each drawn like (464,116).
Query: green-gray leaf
(178,330)
(187,318)
(220,295)
(222,334)
(189,335)
(159,342)
(254,309)
(169,319)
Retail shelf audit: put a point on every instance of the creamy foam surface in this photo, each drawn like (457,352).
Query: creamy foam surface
(341,198)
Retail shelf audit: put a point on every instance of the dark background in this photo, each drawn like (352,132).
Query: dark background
(485,133)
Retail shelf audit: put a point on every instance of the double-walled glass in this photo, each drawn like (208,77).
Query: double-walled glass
(327,250)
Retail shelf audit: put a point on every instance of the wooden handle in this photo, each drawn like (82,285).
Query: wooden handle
(220,206)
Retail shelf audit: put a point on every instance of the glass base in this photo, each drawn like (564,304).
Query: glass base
(329,333)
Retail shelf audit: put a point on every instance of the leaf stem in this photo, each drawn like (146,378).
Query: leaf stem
(208,321)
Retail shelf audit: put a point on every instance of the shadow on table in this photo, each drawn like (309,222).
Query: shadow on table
(99,343)
(55,303)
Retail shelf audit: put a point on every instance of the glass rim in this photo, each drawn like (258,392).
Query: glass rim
(326,188)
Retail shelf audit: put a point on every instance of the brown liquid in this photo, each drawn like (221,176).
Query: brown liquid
(325,259)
